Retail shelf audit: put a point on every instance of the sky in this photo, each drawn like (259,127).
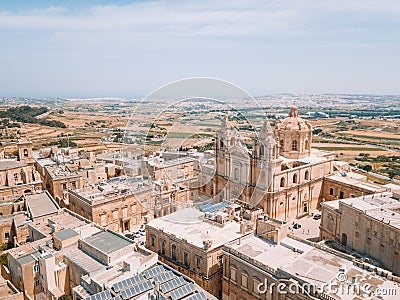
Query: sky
(91,48)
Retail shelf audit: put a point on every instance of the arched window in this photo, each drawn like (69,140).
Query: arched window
(25,152)
(261,150)
(307,175)
(282,182)
(236,174)
(306,145)
(344,239)
(163,248)
(294,145)
(305,207)
(295,178)
(281,145)
(173,248)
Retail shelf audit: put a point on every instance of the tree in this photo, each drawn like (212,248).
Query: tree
(367,168)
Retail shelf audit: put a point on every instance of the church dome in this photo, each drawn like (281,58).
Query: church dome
(294,122)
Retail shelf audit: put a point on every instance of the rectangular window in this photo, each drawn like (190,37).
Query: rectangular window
(134,208)
(16,176)
(153,241)
(219,258)
(341,195)
(37,282)
(244,280)
(256,282)
(186,259)
(198,261)
(124,212)
(233,274)
(115,214)
(103,220)
(35,268)
(331,191)
(7,235)
(173,248)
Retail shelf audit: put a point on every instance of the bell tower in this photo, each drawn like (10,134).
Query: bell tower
(25,150)
(265,151)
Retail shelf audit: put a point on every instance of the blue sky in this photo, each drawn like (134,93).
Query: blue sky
(126,49)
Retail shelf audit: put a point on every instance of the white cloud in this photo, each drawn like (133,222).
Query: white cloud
(209,18)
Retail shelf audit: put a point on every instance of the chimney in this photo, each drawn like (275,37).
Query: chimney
(242,227)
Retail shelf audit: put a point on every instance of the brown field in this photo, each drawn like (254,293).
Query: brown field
(372,133)
(347,149)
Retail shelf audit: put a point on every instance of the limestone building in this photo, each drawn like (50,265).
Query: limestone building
(19,177)
(70,255)
(120,204)
(257,268)
(369,225)
(282,174)
(192,244)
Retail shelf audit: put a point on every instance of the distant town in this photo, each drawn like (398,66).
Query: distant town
(277,197)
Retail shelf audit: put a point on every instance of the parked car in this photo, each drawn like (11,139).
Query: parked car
(317,217)
(296,226)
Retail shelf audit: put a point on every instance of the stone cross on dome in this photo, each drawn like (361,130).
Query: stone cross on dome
(294,111)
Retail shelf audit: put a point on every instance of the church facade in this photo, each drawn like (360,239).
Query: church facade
(281,174)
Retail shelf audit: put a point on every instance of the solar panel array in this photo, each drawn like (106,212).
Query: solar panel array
(164,277)
(136,290)
(197,296)
(173,284)
(182,291)
(116,298)
(154,271)
(208,208)
(127,283)
(105,295)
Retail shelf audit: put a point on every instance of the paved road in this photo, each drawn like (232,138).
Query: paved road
(376,174)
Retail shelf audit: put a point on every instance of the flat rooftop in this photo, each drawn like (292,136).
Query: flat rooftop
(63,219)
(266,252)
(350,180)
(107,242)
(305,262)
(8,164)
(189,224)
(84,261)
(66,234)
(115,188)
(41,205)
(60,171)
(383,207)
